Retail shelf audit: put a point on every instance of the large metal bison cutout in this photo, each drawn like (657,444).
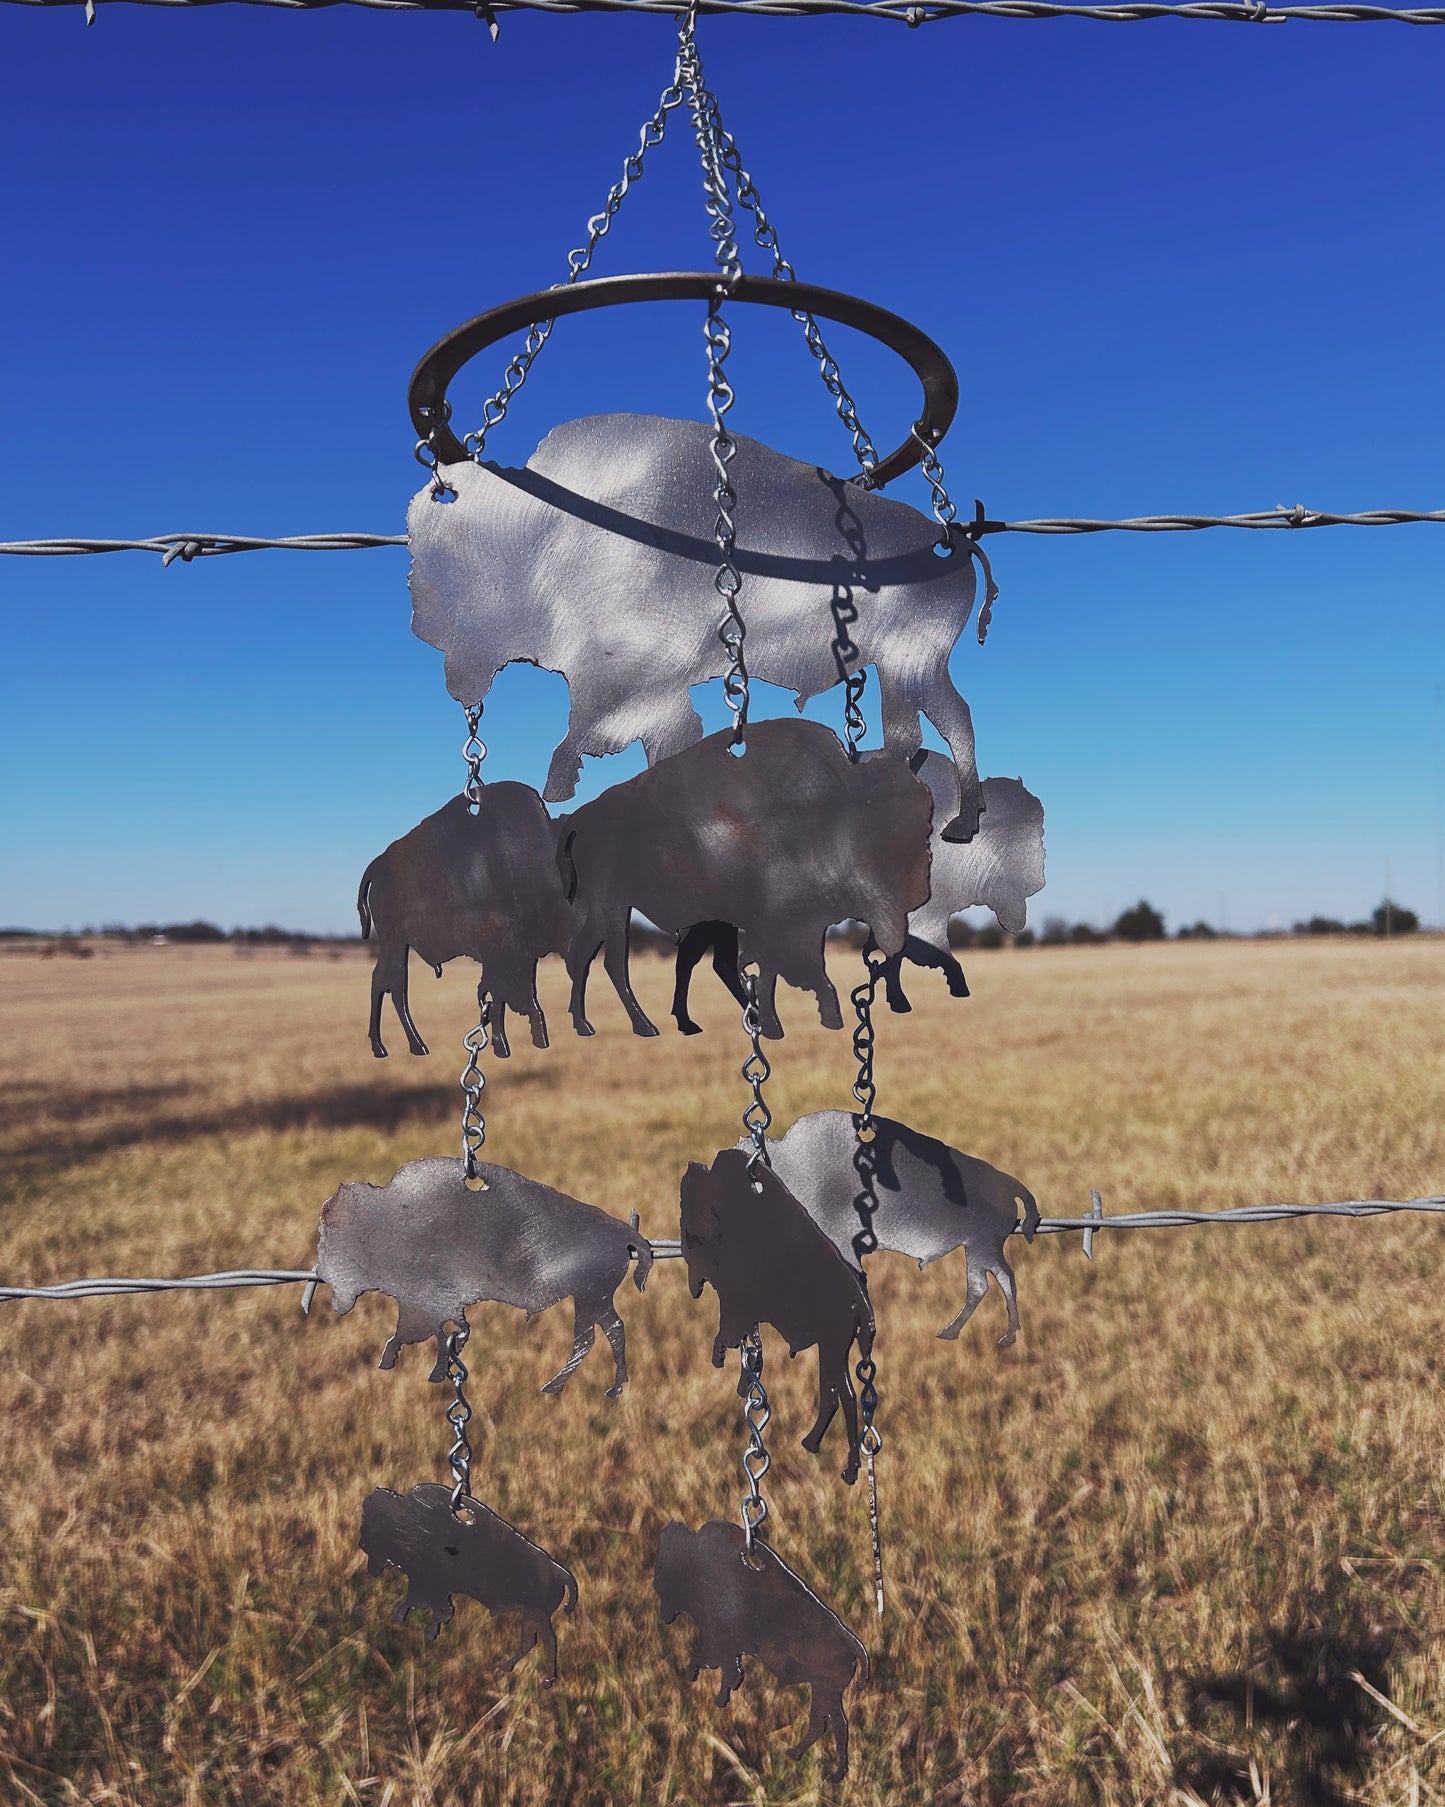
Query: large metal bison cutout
(597,561)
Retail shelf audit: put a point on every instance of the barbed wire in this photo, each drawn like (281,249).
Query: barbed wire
(905,12)
(189,546)
(672,1250)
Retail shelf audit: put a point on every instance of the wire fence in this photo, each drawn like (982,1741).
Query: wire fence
(672,1250)
(904,12)
(189,546)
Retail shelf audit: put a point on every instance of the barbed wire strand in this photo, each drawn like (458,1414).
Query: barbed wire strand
(905,12)
(672,1251)
(189,546)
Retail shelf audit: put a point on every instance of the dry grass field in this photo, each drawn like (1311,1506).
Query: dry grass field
(1184,1543)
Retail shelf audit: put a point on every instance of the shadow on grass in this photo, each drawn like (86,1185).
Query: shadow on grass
(55,1130)
(1298,1710)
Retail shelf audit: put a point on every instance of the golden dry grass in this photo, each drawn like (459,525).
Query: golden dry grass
(1184,1543)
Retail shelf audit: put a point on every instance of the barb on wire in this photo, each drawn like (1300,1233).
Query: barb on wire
(904,12)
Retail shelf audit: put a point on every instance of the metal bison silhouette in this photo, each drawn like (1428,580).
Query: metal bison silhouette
(770,1264)
(436,1246)
(927,1199)
(601,552)
(487,1559)
(765,1612)
(781,841)
(485,886)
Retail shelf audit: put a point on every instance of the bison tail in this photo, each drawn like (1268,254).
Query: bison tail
(566,866)
(641,1249)
(865,1668)
(569,1596)
(363,907)
(1031,1212)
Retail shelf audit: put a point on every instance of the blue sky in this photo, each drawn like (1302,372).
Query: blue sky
(1179,267)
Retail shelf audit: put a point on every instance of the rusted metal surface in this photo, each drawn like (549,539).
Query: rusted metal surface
(481,1556)
(437,1247)
(598,561)
(746,1236)
(781,841)
(764,1611)
(483,886)
(926,1199)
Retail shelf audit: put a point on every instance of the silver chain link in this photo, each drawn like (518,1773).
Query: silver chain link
(865,1241)
(459,1414)
(474,1083)
(425,451)
(579,261)
(474,751)
(756,1070)
(756,1416)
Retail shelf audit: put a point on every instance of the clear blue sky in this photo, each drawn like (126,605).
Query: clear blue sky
(1179,267)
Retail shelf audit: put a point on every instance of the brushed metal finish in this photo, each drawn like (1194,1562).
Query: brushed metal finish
(767,1612)
(436,1247)
(781,842)
(486,1559)
(597,561)
(485,886)
(769,1263)
(929,1199)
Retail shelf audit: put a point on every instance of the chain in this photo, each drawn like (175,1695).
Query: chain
(757,1118)
(473,1083)
(459,1413)
(865,1241)
(474,751)
(765,236)
(722,229)
(943,510)
(579,262)
(425,451)
(756,1416)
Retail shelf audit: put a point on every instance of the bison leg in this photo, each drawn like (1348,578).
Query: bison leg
(825,1709)
(830,1396)
(730,1676)
(615,963)
(565,769)
(584,1335)
(501,1047)
(389,977)
(692,944)
(770,1023)
(378,993)
(616,1336)
(581,952)
(973,1298)
(400,997)
(929,955)
(949,713)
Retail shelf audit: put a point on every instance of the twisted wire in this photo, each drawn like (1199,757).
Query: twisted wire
(904,12)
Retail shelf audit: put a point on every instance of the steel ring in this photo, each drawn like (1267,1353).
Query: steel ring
(427,392)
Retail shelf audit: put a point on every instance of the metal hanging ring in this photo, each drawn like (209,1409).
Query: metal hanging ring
(427,391)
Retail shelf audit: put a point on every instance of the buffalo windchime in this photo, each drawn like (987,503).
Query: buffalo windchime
(623,536)
(626,537)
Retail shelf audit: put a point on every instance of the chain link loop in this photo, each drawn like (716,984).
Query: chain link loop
(474,751)
(756,1070)
(865,1241)
(425,451)
(757,1414)
(459,1414)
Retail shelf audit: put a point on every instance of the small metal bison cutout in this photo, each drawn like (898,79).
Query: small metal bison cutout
(781,841)
(437,1247)
(928,1199)
(487,1559)
(485,886)
(765,1612)
(769,1263)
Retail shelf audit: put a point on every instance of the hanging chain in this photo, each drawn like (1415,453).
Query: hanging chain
(943,510)
(765,236)
(756,1069)
(722,229)
(578,263)
(756,1416)
(474,1083)
(426,451)
(474,751)
(865,1241)
(459,1414)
